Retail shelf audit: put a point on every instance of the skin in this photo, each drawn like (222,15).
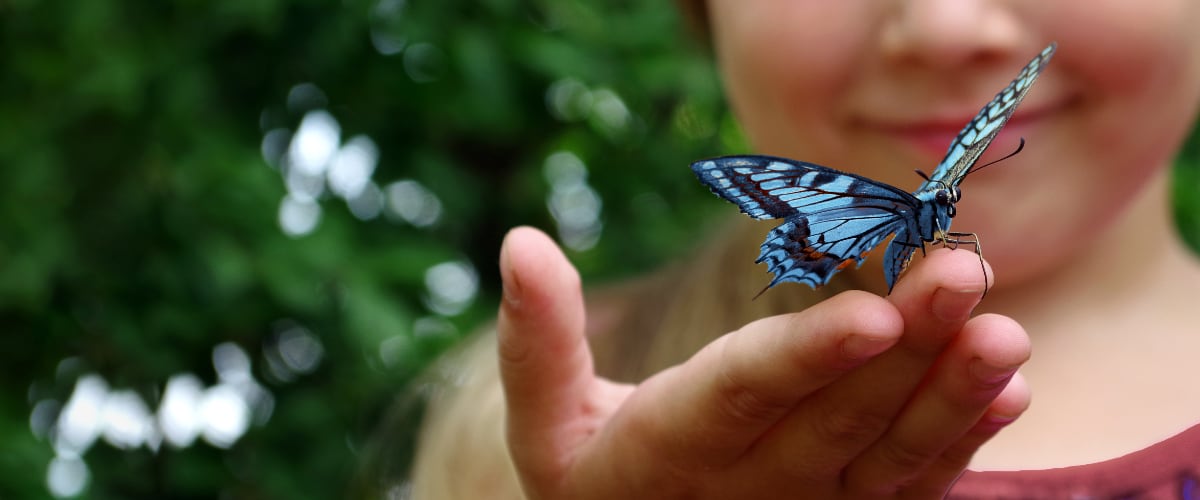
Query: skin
(869,397)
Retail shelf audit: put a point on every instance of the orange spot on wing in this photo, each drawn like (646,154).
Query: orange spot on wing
(811,253)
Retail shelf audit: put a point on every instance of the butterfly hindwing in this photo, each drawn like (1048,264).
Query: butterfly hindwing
(898,253)
(832,218)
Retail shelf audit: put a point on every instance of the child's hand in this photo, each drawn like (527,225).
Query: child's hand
(856,397)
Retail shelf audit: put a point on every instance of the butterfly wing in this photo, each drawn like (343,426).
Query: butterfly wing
(978,134)
(831,218)
(898,253)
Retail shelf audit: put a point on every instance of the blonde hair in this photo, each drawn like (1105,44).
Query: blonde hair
(465,415)
(663,320)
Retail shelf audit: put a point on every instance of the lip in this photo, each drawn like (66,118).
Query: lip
(931,136)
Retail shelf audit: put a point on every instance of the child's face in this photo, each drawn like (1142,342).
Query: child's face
(882,87)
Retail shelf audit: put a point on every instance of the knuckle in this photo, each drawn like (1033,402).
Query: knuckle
(511,351)
(906,456)
(848,428)
(742,402)
(954,459)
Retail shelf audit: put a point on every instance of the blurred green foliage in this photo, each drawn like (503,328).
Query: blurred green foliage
(140,193)
(140,199)
(1186,188)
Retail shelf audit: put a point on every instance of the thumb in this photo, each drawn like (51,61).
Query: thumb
(545,364)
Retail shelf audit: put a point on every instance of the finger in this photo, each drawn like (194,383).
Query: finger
(938,296)
(843,419)
(942,474)
(545,364)
(967,379)
(719,403)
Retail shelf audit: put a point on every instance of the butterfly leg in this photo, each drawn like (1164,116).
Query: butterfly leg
(911,245)
(952,240)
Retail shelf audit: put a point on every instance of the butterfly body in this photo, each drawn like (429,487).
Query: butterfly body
(833,218)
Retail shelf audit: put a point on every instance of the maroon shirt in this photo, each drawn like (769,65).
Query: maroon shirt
(1168,469)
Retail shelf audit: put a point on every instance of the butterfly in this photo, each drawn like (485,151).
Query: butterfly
(831,219)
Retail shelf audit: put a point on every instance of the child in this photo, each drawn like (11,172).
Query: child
(680,386)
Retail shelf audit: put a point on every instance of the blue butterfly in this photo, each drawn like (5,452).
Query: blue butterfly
(832,218)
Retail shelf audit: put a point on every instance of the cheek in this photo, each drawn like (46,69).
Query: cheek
(1137,64)
(1137,67)
(1141,103)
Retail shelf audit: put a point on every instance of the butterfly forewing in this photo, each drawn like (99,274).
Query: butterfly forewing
(978,134)
(766,187)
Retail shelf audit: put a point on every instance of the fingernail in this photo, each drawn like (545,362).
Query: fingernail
(862,347)
(510,296)
(509,288)
(989,375)
(951,305)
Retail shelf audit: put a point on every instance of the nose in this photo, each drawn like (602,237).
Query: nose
(950,33)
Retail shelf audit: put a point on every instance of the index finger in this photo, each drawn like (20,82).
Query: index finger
(938,296)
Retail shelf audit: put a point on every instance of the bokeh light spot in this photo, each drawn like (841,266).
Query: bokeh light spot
(315,142)
(299,349)
(411,202)
(351,168)
(368,204)
(298,216)
(424,62)
(452,287)
(126,421)
(79,423)
(275,145)
(573,204)
(609,112)
(303,97)
(384,16)
(569,100)
(67,476)
(224,415)
(178,413)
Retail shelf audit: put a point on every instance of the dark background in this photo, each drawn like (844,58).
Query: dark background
(154,226)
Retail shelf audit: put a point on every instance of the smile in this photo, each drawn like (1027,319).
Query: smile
(931,136)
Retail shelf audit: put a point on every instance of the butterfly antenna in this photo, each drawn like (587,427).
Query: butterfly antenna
(993,162)
(927,179)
